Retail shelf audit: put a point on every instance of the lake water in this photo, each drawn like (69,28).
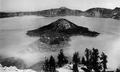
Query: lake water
(15,43)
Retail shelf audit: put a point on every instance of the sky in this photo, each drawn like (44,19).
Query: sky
(34,5)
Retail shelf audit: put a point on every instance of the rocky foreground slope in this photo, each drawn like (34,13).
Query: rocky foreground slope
(14,69)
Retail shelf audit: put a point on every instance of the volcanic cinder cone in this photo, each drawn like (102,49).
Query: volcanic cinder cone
(59,31)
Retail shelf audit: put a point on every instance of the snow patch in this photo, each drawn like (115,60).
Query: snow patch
(14,69)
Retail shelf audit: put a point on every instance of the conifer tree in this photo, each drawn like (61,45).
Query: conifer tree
(88,62)
(46,65)
(76,58)
(49,65)
(104,61)
(75,68)
(62,59)
(52,64)
(117,70)
(94,58)
(88,53)
(83,60)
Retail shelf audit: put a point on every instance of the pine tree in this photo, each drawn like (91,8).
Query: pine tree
(92,60)
(76,58)
(117,70)
(49,65)
(62,59)
(88,62)
(88,53)
(83,60)
(75,68)
(104,61)
(95,57)
(52,64)
(46,65)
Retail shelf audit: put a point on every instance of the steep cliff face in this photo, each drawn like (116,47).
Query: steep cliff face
(98,12)
(63,11)
(60,31)
(116,13)
(116,10)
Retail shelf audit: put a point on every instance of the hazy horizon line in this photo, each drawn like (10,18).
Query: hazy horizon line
(54,8)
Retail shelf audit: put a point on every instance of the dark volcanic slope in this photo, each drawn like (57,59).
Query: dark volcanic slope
(59,31)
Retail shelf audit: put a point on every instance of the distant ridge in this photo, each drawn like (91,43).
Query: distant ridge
(63,11)
(59,31)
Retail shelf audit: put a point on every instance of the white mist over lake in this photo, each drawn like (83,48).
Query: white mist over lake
(15,43)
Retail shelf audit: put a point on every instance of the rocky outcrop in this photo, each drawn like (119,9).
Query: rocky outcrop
(98,12)
(11,61)
(37,67)
(60,31)
(116,13)
(103,13)
(14,69)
